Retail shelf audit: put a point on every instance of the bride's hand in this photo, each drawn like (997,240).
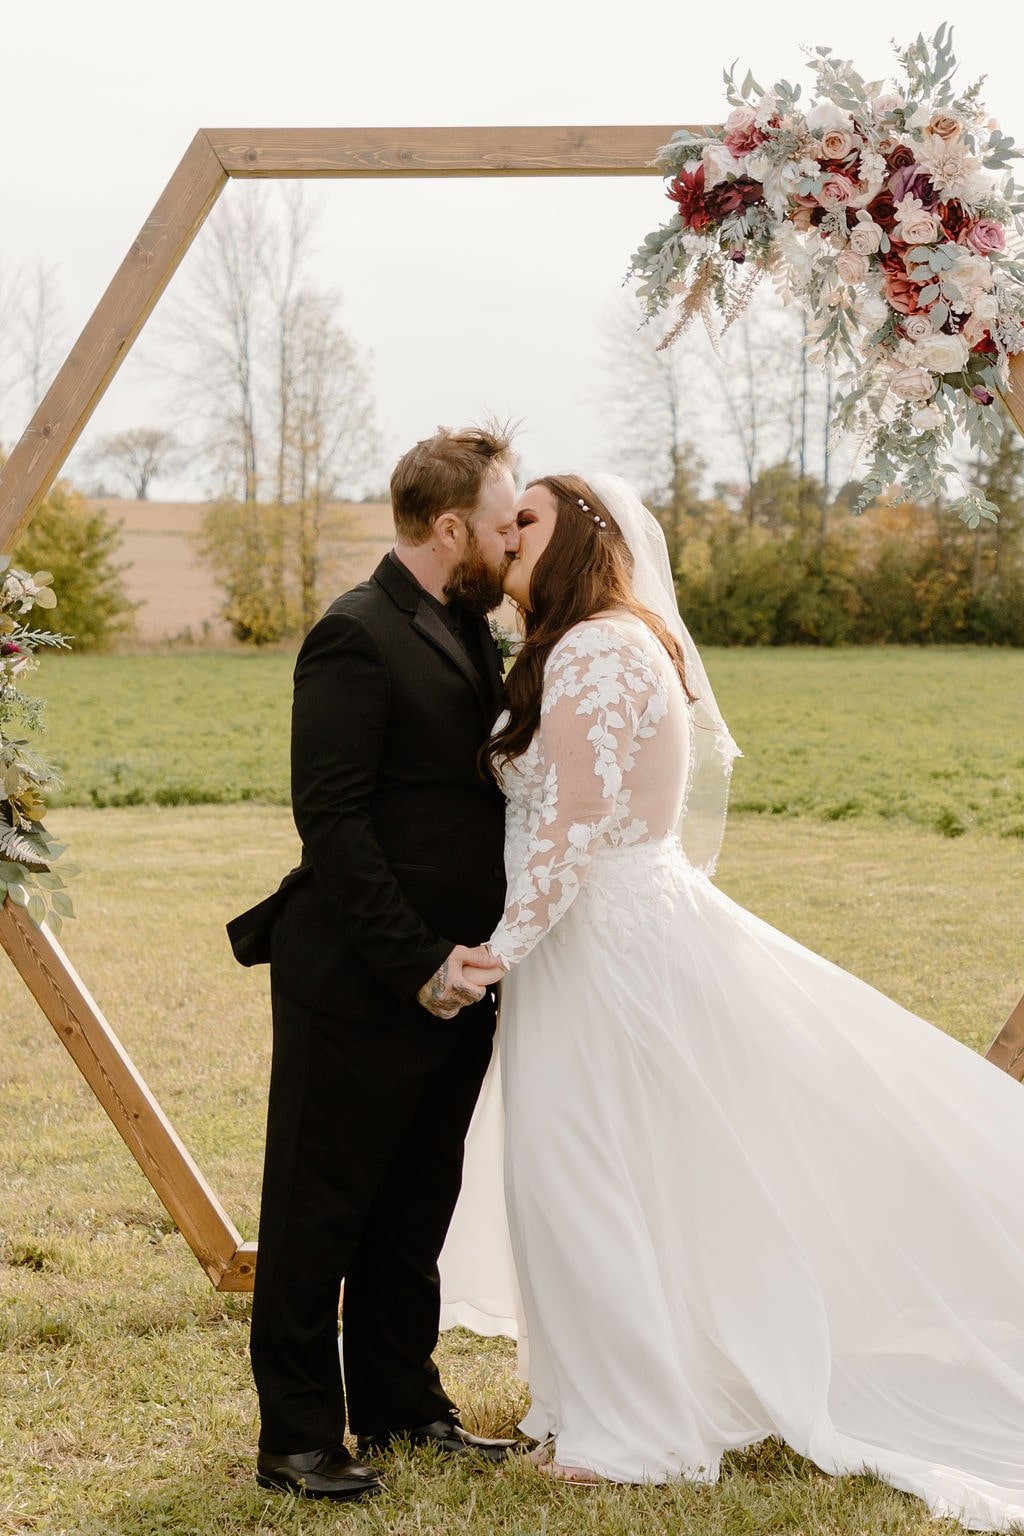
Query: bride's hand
(483,976)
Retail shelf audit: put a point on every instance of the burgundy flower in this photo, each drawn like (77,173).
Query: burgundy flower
(882,209)
(730,196)
(687,191)
(953,218)
(912,181)
(8,648)
(980,393)
(902,155)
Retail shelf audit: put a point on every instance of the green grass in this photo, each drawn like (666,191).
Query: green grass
(125,1400)
(930,737)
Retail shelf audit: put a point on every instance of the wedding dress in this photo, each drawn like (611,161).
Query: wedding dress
(747,1194)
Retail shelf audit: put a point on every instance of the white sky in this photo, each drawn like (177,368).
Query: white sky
(473,295)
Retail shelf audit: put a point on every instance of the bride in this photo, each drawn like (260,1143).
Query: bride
(747,1194)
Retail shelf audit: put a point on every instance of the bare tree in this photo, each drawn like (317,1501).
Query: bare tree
(40,329)
(298,426)
(648,397)
(138,456)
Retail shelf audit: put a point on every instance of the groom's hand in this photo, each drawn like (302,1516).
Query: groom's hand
(449,989)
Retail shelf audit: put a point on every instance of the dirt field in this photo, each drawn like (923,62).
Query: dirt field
(180,600)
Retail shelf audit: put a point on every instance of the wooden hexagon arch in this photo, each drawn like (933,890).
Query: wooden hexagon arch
(213,156)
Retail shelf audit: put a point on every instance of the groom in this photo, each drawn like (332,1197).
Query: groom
(375,1069)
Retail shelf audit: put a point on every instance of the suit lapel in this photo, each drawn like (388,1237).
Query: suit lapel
(426,622)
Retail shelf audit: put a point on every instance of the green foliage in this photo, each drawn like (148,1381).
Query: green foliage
(80,547)
(126,1398)
(274,562)
(27,852)
(785,564)
(867,728)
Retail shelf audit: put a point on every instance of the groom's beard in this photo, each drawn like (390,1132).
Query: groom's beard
(473,583)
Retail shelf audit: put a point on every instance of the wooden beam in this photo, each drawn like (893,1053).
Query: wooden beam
(1007,1049)
(376,152)
(241,1272)
(105,342)
(115,1080)
(1013,399)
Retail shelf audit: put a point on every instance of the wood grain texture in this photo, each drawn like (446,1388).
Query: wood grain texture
(241,1272)
(107,338)
(1013,398)
(117,1084)
(1007,1049)
(554,151)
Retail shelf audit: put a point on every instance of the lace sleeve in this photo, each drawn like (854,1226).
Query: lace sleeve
(602,699)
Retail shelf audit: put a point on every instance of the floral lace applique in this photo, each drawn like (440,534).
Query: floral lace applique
(605,693)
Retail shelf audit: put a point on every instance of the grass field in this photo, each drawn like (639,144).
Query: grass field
(929,737)
(125,1400)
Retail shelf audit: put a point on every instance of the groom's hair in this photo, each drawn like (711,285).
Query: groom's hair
(445,473)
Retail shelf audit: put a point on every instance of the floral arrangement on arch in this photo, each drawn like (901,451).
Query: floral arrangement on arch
(27,851)
(889,212)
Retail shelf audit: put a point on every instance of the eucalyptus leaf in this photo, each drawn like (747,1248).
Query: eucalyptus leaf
(36,909)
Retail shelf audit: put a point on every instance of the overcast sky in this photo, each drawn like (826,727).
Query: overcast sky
(472,295)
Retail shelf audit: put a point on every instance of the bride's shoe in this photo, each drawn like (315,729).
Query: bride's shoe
(580,1477)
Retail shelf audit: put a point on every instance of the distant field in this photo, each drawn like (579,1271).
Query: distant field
(176,592)
(931,737)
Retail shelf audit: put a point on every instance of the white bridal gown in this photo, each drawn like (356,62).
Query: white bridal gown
(748,1195)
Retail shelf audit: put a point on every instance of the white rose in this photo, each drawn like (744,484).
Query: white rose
(883,105)
(872,311)
(917,327)
(942,354)
(825,116)
(927,416)
(767,107)
(921,118)
(914,384)
(719,162)
(972,274)
(865,237)
(986,306)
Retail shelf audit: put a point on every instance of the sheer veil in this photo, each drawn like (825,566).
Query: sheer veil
(712,748)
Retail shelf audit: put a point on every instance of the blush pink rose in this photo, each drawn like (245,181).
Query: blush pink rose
(917,327)
(914,384)
(984,237)
(836,145)
(851,266)
(837,192)
(742,135)
(918,228)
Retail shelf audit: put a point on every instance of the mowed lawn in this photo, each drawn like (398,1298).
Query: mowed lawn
(929,737)
(125,1399)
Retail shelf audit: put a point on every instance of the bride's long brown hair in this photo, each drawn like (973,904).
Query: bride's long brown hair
(583,570)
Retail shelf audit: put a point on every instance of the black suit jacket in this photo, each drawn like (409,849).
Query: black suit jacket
(402,840)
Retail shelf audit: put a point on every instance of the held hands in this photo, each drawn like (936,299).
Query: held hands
(451,987)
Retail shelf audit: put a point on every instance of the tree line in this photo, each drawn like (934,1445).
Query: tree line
(731,445)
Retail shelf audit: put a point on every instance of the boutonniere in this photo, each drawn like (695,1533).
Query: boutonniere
(508,644)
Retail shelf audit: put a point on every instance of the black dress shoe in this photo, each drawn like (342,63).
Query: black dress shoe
(447,1434)
(328,1474)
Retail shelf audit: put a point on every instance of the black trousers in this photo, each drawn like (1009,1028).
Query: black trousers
(365,1134)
